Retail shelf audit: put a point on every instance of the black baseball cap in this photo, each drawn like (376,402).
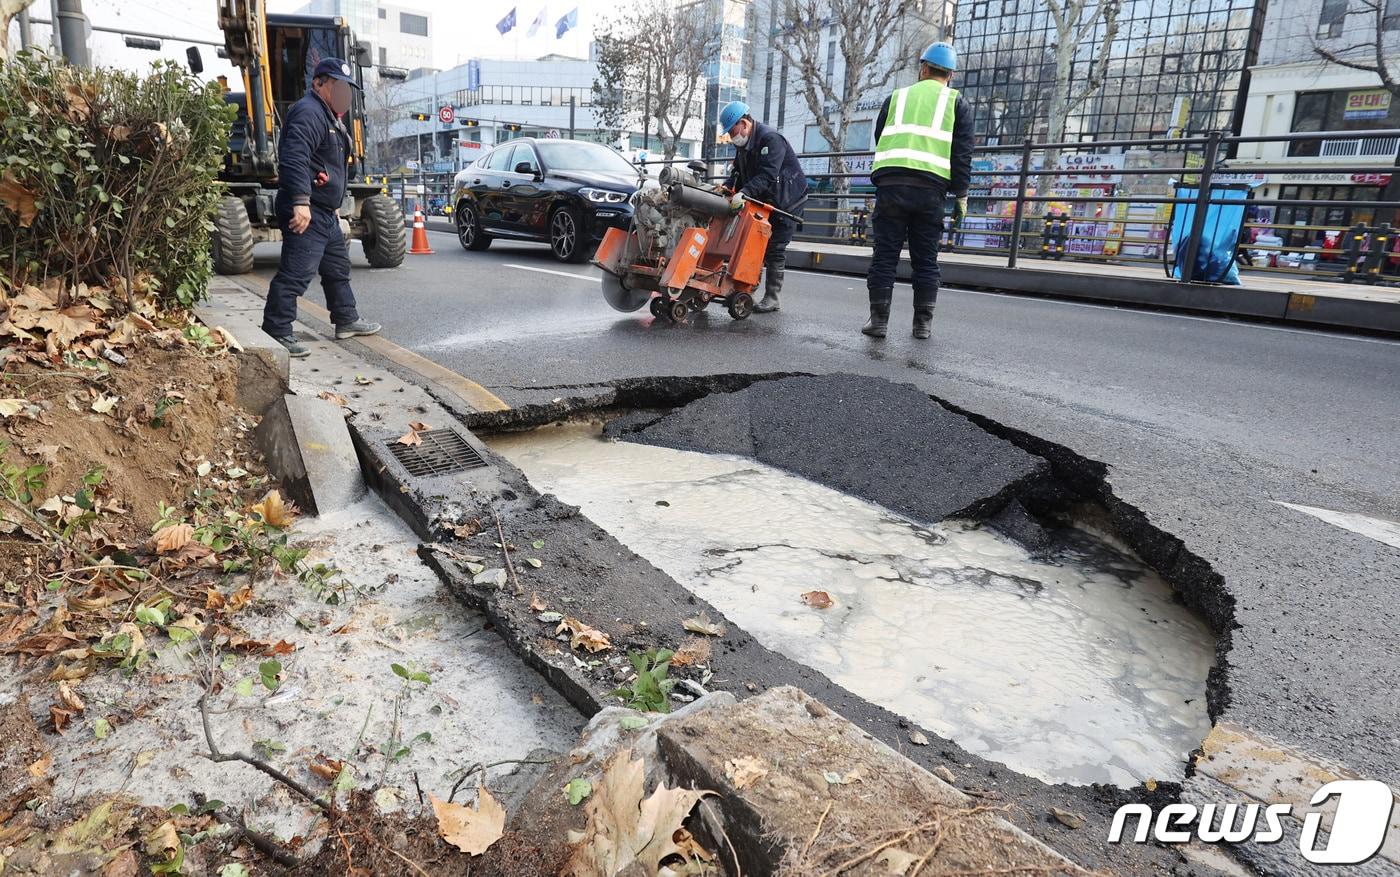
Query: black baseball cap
(335,68)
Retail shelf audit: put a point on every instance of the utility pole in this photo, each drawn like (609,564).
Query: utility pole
(69,18)
(646,111)
(26,36)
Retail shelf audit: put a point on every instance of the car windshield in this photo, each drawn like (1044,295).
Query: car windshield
(573,156)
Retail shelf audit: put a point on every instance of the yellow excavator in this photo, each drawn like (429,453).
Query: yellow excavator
(277,54)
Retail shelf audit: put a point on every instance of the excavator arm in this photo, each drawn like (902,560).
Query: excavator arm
(244,23)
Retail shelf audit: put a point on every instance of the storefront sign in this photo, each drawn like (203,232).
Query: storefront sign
(1370,103)
(1228,179)
(1091,168)
(1371,179)
(1326,179)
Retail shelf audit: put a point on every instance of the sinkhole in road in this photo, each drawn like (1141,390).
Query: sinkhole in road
(1078,666)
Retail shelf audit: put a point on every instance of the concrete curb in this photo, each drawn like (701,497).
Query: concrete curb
(308,446)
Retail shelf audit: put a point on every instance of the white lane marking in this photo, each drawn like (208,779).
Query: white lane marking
(1126,309)
(1378,529)
(588,277)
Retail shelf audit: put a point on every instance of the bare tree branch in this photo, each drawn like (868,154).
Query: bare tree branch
(651,62)
(864,34)
(1384,61)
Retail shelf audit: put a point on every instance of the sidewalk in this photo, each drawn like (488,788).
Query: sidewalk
(1262,296)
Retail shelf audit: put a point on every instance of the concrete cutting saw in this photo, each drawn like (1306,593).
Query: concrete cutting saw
(686,248)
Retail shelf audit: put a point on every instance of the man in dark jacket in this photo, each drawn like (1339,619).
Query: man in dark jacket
(923,152)
(765,169)
(311,168)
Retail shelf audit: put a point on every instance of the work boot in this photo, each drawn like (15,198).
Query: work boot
(879,321)
(923,321)
(359,327)
(773,270)
(295,349)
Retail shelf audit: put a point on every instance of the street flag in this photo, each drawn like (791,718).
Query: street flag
(507,24)
(566,23)
(537,23)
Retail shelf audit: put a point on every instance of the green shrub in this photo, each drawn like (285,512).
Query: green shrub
(108,178)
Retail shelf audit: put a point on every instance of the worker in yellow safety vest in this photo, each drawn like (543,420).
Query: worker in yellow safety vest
(923,153)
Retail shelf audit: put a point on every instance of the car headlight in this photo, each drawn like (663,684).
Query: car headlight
(603,196)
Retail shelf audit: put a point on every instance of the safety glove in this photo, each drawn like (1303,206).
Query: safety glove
(959,209)
(736,201)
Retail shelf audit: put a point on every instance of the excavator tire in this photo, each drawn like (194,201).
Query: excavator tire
(233,237)
(385,235)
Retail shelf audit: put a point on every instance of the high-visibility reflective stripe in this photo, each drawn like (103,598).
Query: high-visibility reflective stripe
(914,155)
(936,130)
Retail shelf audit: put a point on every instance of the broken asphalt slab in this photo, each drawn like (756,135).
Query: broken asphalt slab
(886,443)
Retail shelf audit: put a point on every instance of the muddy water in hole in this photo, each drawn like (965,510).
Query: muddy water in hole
(1079,669)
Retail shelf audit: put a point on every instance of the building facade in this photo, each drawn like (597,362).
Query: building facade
(495,101)
(400,36)
(1295,91)
(1175,66)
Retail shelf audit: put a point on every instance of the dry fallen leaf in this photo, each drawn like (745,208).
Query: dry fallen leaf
(41,765)
(416,426)
(693,651)
(471,831)
(105,404)
(623,828)
(690,848)
(702,624)
(745,771)
(581,634)
(897,861)
(536,604)
(275,512)
(410,439)
(11,407)
(173,538)
(817,599)
(239,598)
(18,198)
(69,698)
(918,738)
(213,599)
(326,768)
(333,397)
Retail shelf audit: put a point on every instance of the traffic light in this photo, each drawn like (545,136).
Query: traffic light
(511,126)
(471,123)
(419,117)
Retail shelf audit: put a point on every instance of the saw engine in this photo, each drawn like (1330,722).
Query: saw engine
(686,248)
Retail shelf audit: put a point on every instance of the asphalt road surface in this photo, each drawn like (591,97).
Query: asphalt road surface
(1206,426)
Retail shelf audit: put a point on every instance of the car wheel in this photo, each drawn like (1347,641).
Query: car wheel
(469,232)
(566,237)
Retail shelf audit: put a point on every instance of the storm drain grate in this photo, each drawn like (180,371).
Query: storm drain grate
(442,452)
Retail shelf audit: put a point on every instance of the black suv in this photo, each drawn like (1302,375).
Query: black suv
(567,193)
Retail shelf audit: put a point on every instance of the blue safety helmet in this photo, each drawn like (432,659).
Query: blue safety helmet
(731,114)
(941,55)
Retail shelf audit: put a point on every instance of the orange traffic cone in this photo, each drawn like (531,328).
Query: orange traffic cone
(420,236)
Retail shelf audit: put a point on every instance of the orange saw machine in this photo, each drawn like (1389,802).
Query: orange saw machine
(685,249)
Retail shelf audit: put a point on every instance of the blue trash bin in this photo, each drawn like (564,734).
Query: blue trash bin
(1220,234)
